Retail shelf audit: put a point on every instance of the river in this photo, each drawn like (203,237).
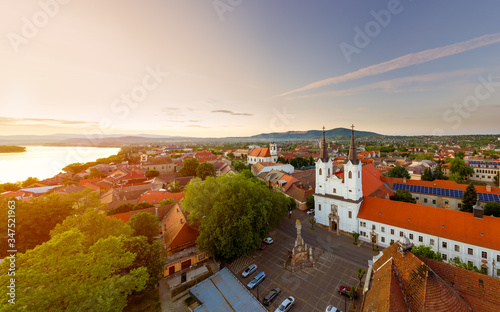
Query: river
(46,161)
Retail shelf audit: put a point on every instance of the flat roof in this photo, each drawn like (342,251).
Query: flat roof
(224,292)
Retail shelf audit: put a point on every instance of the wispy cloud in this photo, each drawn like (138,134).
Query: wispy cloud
(225,111)
(415,83)
(404,61)
(172,120)
(196,126)
(43,121)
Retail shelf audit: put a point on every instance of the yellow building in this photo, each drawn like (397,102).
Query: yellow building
(183,260)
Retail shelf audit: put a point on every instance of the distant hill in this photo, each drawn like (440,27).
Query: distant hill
(310,134)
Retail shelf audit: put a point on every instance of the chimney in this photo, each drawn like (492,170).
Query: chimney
(404,180)
(419,202)
(387,196)
(488,188)
(156,211)
(478,210)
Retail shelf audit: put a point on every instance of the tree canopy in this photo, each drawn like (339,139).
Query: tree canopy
(234,213)
(152,173)
(239,166)
(144,224)
(458,167)
(469,198)
(205,170)
(310,201)
(426,251)
(427,175)
(398,172)
(492,209)
(189,167)
(403,196)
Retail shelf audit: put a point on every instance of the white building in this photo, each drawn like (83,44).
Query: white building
(484,171)
(263,154)
(338,195)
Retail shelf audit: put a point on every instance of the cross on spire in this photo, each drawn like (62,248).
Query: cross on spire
(323,128)
(352,126)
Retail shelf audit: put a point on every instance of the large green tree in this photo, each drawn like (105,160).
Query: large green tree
(75,168)
(427,175)
(239,166)
(469,198)
(310,201)
(426,251)
(29,181)
(438,174)
(189,167)
(152,173)
(144,224)
(234,213)
(458,167)
(403,196)
(398,172)
(496,179)
(205,170)
(63,275)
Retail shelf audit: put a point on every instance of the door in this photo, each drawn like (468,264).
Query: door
(171,270)
(185,264)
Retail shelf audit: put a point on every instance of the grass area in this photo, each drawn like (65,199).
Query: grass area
(148,302)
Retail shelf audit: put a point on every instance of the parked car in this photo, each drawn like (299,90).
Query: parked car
(286,305)
(310,212)
(252,268)
(344,290)
(268,240)
(331,308)
(262,246)
(270,296)
(257,280)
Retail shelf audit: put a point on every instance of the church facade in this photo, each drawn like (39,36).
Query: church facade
(338,194)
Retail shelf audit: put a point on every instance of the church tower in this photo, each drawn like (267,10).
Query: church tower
(273,149)
(323,167)
(352,172)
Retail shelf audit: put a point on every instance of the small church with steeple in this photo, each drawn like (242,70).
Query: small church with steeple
(338,194)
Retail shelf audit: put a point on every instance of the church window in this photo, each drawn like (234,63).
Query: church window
(335,190)
(320,171)
(319,206)
(350,214)
(359,174)
(350,174)
(328,171)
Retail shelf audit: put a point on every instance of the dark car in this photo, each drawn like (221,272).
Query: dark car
(344,290)
(262,246)
(270,296)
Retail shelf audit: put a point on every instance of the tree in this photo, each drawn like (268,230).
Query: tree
(496,179)
(458,166)
(313,222)
(460,154)
(361,273)
(438,174)
(63,275)
(166,201)
(469,199)
(233,213)
(96,173)
(147,255)
(174,187)
(152,173)
(403,196)
(292,205)
(189,167)
(468,266)
(75,168)
(355,235)
(310,201)
(427,252)
(205,170)
(143,205)
(492,209)
(9,186)
(398,172)
(456,177)
(121,208)
(29,181)
(427,175)
(239,166)
(145,224)
(230,155)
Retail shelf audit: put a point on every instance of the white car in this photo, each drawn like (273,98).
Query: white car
(268,240)
(286,305)
(331,308)
(248,271)
(310,211)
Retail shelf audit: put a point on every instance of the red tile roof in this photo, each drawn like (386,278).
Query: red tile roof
(450,224)
(92,181)
(372,181)
(260,152)
(203,154)
(154,197)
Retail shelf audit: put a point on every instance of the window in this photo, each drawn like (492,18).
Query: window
(382,239)
(335,190)
(373,227)
(201,257)
(359,174)
(328,171)
(445,257)
(401,233)
(498,258)
(457,248)
(484,254)
(459,205)
(411,236)
(470,263)
(433,201)
(392,231)
(470,251)
(350,214)
(425,200)
(431,242)
(320,171)
(350,174)
(382,229)
(421,239)
(444,245)
(417,198)
(181,221)
(319,206)
(446,203)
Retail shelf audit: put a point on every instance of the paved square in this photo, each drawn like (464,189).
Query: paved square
(313,288)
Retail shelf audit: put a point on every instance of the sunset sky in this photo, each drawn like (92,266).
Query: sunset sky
(243,67)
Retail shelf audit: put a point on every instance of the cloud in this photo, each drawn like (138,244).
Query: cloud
(43,121)
(196,126)
(231,113)
(404,61)
(172,120)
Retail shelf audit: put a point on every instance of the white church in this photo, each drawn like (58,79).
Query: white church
(354,198)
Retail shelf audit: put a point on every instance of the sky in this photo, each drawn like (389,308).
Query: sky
(220,68)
